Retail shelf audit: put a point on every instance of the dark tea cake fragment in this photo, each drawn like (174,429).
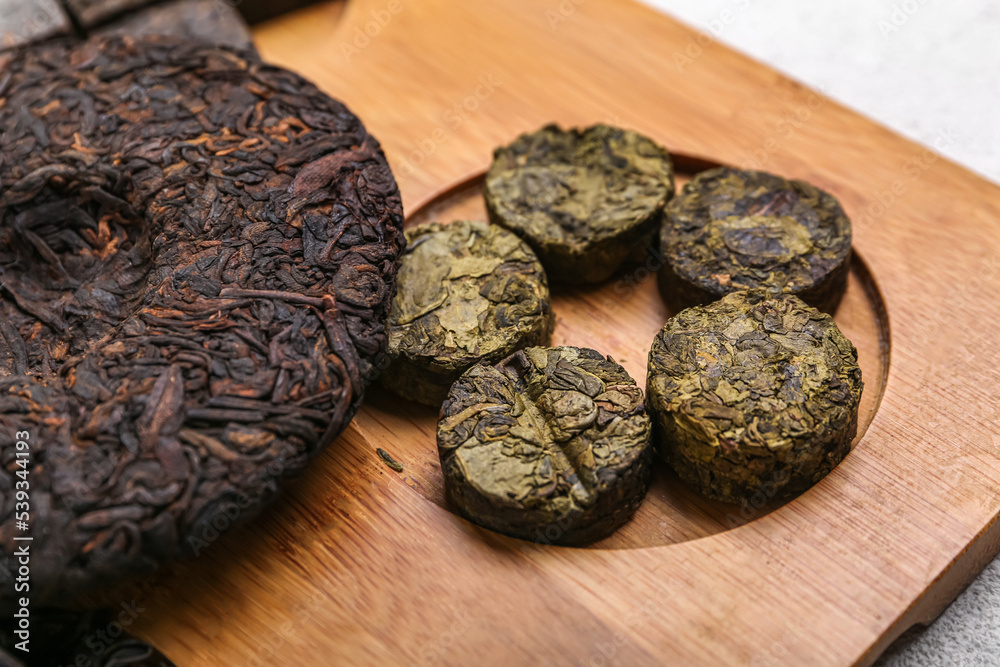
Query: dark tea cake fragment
(755,396)
(586,201)
(467,292)
(91,13)
(209,21)
(25,21)
(730,230)
(550,445)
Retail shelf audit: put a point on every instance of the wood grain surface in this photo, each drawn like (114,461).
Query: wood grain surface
(360,565)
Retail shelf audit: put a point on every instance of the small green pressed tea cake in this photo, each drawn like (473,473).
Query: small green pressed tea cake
(730,230)
(753,395)
(468,292)
(585,200)
(550,445)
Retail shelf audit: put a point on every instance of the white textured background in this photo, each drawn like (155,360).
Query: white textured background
(937,65)
(917,66)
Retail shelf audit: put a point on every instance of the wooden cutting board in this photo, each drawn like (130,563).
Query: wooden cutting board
(362,565)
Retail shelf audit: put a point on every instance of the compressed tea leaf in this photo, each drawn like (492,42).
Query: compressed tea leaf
(389,461)
(730,230)
(550,445)
(587,200)
(754,396)
(197,256)
(468,292)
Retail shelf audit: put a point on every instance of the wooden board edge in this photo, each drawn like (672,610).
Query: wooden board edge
(937,597)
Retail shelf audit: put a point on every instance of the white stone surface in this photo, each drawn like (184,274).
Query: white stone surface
(919,67)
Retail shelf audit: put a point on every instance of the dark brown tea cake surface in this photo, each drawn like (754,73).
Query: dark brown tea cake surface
(197,256)
(467,292)
(755,396)
(730,230)
(550,445)
(587,200)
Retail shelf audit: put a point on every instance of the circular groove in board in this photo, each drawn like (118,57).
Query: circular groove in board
(620,317)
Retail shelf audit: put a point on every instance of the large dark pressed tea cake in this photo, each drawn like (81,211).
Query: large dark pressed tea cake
(197,254)
(753,395)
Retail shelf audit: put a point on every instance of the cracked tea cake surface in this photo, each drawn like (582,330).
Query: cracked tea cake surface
(550,445)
